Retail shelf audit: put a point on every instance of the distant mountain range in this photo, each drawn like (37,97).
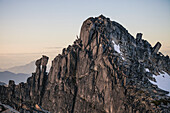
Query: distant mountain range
(19,77)
(27,68)
(18,73)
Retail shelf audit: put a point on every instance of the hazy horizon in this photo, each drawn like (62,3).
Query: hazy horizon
(30,29)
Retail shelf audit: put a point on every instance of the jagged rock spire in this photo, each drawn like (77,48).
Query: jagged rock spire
(156,47)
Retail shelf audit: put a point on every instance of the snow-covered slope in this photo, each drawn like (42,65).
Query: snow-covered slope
(162,81)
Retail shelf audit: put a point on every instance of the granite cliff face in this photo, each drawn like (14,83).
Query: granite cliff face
(106,70)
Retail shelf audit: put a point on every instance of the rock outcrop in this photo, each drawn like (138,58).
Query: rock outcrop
(104,71)
(25,96)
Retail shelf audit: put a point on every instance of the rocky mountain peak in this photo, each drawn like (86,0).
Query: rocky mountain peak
(106,70)
(113,37)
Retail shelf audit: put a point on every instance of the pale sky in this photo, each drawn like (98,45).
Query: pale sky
(30,28)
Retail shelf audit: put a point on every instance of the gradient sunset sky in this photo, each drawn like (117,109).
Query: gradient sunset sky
(30,28)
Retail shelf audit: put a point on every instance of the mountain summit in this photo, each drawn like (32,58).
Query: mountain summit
(106,70)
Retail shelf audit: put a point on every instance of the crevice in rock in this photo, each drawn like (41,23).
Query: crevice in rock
(74,98)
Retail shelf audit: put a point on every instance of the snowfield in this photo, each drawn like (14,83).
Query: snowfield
(116,47)
(162,81)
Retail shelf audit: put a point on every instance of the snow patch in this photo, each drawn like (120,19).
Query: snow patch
(162,81)
(116,47)
(123,58)
(147,70)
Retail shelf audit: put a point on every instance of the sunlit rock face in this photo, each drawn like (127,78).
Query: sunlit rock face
(105,70)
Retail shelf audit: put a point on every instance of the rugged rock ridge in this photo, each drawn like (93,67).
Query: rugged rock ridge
(25,96)
(103,71)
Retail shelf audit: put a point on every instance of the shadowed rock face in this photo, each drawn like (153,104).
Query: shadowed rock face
(103,71)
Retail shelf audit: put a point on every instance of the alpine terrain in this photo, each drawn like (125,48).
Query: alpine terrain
(105,70)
